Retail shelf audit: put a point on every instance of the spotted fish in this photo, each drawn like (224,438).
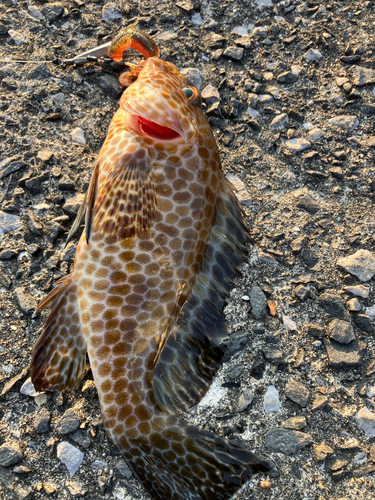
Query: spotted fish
(163,238)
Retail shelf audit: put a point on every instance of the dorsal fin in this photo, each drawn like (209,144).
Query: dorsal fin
(191,355)
(59,356)
(125,198)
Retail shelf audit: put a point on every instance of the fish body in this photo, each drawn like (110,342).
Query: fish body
(164,235)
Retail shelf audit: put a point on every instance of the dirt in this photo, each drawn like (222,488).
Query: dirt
(305,210)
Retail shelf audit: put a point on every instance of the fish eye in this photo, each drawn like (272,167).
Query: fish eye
(192,95)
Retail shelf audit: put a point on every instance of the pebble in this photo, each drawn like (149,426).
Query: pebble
(287,77)
(52,11)
(241,193)
(41,421)
(271,401)
(197,19)
(111,11)
(8,167)
(264,4)
(70,456)
(25,300)
(34,12)
(245,399)
(341,331)
(359,290)
(363,322)
(320,402)
(122,469)
(366,422)
(333,305)
(110,86)
(289,324)
(343,356)
(279,121)
(17,37)
(76,489)
(321,451)
(360,264)
(81,438)
(353,305)
(235,53)
(264,485)
(72,205)
(10,454)
(69,422)
(210,95)
(286,441)
(78,136)
(28,389)
(214,394)
(258,302)
(370,391)
(345,122)
(9,223)
(313,55)
(297,392)
(295,423)
(315,134)
(362,76)
(370,311)
(213,40)
(297,145)
(194,77)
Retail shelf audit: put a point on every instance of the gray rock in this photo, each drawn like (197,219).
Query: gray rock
(69,422)
(41,421)
(193,76)
(81,438)
(366,422)
(271,401)
(9,223)
(279,121)
(25,300)
(362,76)
(313,55)
(264,4)
(110,85)
(274,356)
(353,305)
(315,134)
(368,109)
(213,40)
(258,302)
(245,399)
(333,305)
(78,135)
(309,257)
(235,53)
(360,264)
(72,205)
(111,11)
(363,322)
(52,11)
(298,243)
(345,122)
(295,423)
(319,403)
(122,469)
(344,356)
(76,489)
(305,202)
(287,77)
(297,145)
(210,94)
(53,231)
(38,72)
(10,454)
(11,167)
(70,456)
(7,254)
(341,331)
(297,392)
(315,330)
(286,441)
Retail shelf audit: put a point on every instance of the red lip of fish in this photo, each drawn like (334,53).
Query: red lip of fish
(163,238)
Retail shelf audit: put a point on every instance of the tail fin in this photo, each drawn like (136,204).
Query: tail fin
(182,462)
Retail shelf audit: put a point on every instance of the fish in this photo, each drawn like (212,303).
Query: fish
(164,236)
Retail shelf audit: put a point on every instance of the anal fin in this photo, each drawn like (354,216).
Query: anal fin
(59,356)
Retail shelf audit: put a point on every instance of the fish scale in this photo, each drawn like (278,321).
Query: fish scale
(164,236)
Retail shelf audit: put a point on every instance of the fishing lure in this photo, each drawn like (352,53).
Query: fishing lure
(163,238)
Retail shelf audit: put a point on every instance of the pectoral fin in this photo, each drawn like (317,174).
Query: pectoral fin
(59,356)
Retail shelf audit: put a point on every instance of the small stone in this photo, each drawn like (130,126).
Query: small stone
(264,485)
(301,292)
(298,243)
(333,305)
(258,302)
(122,469)
(271,401)
(49,488)
(366,422)
(346,122)
(194,77)
(341,331)
(264,4)
(210,95)
(279,121)
(313,55)
(186,5)
(315,330)
(287,77)
(25,301)
(242,193)
(76,489)
(28,389)
(10,454)
(81,438)
(274,356)
(307,203)
(370,312)
(9,223)
(344,356)
(245,399)
(111,11)
(297,392)
(363,322)
(362,76)
(69,422)
(72,205)
(353,305)
(70,456)
(235,53)
(360,264)
(16,36)
(321,451)
(315,134)
(319,403)
(110,86)
(41,421)
(52,11)
(244,41)
(286,441)
(78,136)
(213,40)
(289,324)
(297,145)
(295,423)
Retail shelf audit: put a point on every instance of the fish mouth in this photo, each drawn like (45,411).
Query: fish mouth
(145,127)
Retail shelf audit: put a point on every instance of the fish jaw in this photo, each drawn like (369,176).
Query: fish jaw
(157,96)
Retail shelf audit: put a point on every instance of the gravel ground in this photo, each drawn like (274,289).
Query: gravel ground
(289,89)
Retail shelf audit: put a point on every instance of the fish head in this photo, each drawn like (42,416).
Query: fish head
(160,105)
